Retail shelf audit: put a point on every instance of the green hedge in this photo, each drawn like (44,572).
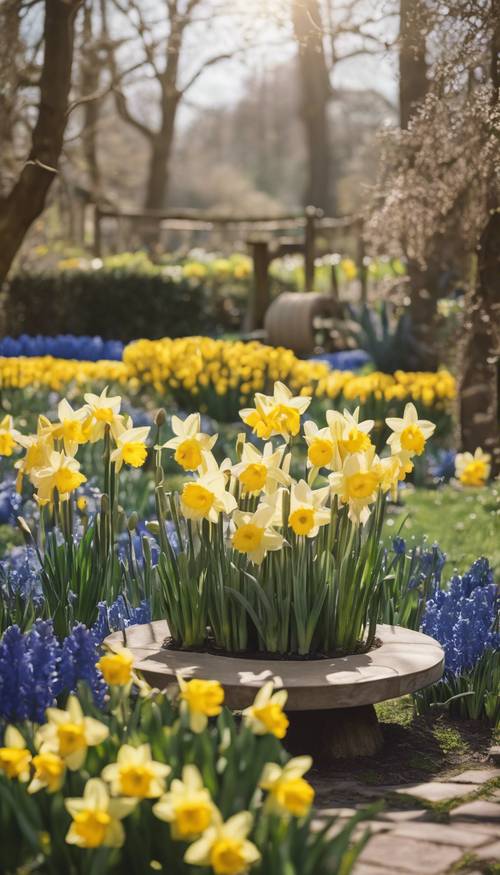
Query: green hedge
(109,303)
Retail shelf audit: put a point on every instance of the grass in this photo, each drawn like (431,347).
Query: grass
(465,523)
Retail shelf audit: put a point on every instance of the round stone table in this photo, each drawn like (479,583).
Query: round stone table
(330,701)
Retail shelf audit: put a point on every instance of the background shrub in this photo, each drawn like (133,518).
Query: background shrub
(109,303)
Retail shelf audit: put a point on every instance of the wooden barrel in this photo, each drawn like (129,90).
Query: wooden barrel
(289,320)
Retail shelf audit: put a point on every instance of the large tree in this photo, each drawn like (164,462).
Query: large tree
(328,32)
(25,200)
(172,42)
(442,181)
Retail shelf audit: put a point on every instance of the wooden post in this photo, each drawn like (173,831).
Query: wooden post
(97,241)
(362,271)
(310,248)
(259,297)
(334,282)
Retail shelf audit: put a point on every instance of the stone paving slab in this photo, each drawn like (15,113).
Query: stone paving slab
(438,791)
(479,810)
(409,855)
(403,816)
(476,776)
(368,869)
(488,852)
(442,834)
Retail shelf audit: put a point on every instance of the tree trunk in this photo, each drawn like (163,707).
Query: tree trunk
(480,370)
(89,83)
(413,85)
(159,160)
(314,100)
(413,82)
(26,200)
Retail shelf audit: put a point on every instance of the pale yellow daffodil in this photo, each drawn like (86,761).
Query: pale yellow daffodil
(9,436)
(187,807)
(225,847)
(322,449)
(135,773)
(15,758)
(409,433)
(289,793)
(200,699)
(70,733)
(131,447)
(307,509)
(104,411)
(62,472)
(473,470)
(50,770)
(277,414)
(96,819)
(254,534)
(258,472)
(357,484)
(207,497)
(189,442)
(266,716)
(73,427)
(355,434)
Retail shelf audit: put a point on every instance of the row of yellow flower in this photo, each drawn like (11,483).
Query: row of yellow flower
(201,367)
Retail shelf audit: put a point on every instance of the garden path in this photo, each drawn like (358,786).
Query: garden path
(431,828)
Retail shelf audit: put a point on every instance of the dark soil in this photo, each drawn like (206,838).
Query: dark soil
(169,644)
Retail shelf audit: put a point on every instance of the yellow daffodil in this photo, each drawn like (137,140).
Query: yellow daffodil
(136,774)
(73,427)
(15,758)
(266,715)
(187,806)
(8,436)
(258,472)
(355,434)
(473,470)
(206,497)
(38,449)
(131,447)
(307,509)
(62,473)
(278,414)
(289,792)
(225,847)
(96,818)
(104,411)
(322,448)
(200,699)
(254,534)
(357,484)
(116,667)
(50,770)
(409,433)
(70,733)
(189,442)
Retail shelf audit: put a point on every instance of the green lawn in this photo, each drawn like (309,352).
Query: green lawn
(465,523)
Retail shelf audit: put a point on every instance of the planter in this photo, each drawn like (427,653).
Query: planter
(330,701)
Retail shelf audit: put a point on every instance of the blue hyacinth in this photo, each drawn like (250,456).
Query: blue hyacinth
(120,615)
(28,672)
(464,618)
(63,346)
(20,575)
(79,655)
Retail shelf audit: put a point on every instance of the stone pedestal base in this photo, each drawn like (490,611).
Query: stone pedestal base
(340,733)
